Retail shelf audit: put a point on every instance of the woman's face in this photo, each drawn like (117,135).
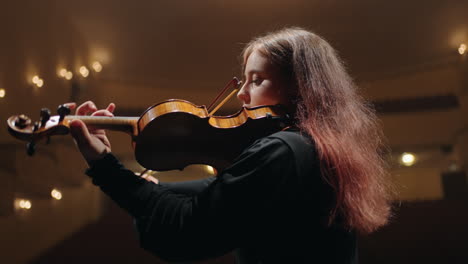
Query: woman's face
(263,83)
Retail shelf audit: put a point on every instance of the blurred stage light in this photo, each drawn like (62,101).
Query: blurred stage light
(408,159)
(462,49)
(97,66)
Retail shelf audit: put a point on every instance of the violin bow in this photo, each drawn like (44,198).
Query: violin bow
(235,82)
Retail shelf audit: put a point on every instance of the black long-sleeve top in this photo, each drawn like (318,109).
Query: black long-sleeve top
(271,206)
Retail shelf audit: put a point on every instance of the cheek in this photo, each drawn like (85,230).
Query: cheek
(268,95)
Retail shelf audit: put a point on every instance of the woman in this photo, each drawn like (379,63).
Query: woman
(299,195)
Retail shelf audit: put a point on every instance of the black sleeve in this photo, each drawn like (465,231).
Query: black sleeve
(181,227)
(189,187)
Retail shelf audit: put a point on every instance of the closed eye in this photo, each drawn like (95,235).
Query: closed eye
(257,81)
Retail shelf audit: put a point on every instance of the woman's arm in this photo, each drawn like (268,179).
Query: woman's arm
(189,187)
(180,226)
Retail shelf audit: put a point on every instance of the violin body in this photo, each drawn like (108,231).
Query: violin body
(177,133)
(172,134)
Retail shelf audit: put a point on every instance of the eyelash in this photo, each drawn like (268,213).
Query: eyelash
(257,81)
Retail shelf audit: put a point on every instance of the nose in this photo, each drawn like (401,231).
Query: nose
(243,94)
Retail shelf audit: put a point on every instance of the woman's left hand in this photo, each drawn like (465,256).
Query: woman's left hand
(92,143)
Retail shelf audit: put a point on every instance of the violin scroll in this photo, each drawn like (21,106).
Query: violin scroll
(22,127)
(21,121)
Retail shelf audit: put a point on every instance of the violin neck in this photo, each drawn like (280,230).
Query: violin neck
(115,123)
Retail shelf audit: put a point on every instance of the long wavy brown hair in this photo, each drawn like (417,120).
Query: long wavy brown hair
(344,126)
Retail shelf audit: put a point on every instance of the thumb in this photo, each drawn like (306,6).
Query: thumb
(80,132)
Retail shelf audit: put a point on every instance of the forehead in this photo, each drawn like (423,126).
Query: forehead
(257,62)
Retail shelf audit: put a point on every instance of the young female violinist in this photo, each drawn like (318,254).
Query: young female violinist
(296,196)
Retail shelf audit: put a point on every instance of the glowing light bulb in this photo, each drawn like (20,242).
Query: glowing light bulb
(97,66)
(2,93)
(62,73)
(56,194)
(84,71)
(462,49)
(68,75)
(23,204)
(40,83)
(35,79)
(408,159)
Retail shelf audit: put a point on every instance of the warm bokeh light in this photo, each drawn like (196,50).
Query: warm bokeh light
(84,71)
(2,93)
(40,83)
(408,159)
(97,66)
(69,75)
(56,194)
(23,204)
(62,73)
(35,79)
(462,49)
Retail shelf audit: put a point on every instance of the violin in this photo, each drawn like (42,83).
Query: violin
(169,135)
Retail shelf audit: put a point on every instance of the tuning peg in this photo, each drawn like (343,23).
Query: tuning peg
(63,110)
(30,148)
(36,126)
(45,116)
